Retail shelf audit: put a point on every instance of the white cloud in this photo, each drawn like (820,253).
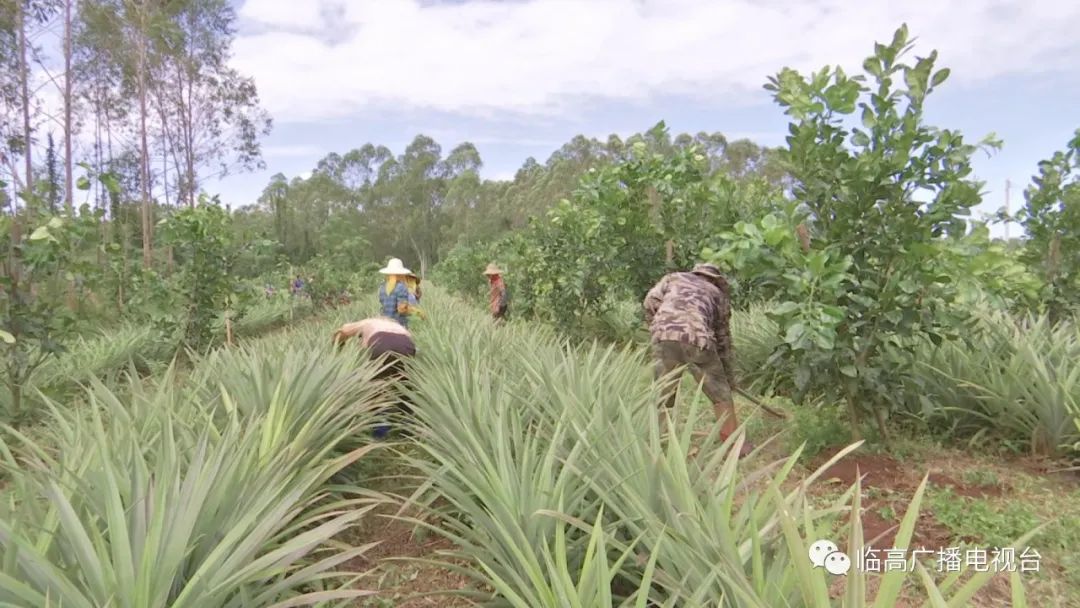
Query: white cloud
(453,136)
(502,176)
(275,13)
(549,57)
(292,151)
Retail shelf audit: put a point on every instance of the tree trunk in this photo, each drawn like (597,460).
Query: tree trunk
(69,187)
(101,191)
(853,413)
(189,110)
(166,143)
(165,161)
(145,152)
(803,234)
(169,148)
(656,205)
(124,234)
(24,91)
(68,127)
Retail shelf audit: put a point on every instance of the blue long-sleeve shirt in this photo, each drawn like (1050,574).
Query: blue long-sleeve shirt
(391,301)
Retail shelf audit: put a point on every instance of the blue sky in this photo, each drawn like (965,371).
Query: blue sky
(520,78)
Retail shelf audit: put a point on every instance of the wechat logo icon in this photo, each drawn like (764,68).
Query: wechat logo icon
(825,554)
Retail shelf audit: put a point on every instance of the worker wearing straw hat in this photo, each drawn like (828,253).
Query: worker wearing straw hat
(688,315)
(394,293)
(499,297)
(413,283)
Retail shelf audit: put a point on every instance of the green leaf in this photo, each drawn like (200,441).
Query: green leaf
(776,235)
(849,371)
(865,301)
(41,233)
(786,308)
(834,311)
(111,183)
(939,77)
(900,36)
(860,139)
(868,118)
(795,333)
(6,337)
(824,340)
(83,183)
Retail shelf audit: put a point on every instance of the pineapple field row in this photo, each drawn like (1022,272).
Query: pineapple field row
(247,476)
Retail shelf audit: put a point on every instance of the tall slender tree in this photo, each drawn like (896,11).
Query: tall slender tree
(69,101)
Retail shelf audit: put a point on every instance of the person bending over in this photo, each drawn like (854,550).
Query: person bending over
(688,315)
(384,338)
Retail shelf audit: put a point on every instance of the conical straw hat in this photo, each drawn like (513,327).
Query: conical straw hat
(394,266)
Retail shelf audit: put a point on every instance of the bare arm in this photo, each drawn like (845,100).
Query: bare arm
(349,330)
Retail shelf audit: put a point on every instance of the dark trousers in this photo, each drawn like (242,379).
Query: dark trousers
(393,348)
(706,367)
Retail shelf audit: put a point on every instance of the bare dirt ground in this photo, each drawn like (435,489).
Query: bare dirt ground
(398,568)
(888,487)
(388,567)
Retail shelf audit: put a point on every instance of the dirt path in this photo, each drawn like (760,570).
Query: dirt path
(398,582)
(392,567)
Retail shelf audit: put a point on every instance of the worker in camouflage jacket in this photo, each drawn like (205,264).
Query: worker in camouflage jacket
(688,315)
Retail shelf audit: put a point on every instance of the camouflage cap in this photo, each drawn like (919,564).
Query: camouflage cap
(708,270)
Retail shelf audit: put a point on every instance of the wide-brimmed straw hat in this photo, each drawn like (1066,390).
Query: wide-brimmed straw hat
(708,271)
(492,269)
(394,266)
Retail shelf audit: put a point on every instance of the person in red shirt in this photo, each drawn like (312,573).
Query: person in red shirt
(498,297)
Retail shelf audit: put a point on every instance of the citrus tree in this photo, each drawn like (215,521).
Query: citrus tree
(205,253)
(878,195)
(37,280)
(1051,218)
(626,225)
(34,322)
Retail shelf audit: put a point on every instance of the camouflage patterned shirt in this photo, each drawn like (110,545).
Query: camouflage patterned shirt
(685,307)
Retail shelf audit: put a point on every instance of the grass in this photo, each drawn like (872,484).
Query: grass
(979,520)
(974,500)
